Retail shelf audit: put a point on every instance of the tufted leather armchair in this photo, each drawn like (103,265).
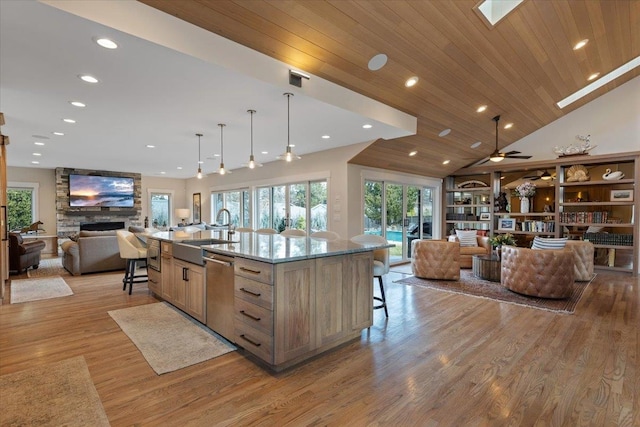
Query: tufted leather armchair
(583,253)
(435,259)
(538,273)
(24,255)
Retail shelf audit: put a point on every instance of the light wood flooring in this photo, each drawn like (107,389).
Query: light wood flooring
(439,360)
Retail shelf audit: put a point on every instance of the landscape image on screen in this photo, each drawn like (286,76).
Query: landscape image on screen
(108,191)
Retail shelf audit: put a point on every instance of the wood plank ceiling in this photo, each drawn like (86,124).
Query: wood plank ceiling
(519,69)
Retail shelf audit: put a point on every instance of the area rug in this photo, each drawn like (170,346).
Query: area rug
(57,394)
(166,338)
(472,286)
(23,290)
(48,267)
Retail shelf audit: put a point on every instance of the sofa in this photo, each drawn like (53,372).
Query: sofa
(92,252)
(23,255)
(467,252)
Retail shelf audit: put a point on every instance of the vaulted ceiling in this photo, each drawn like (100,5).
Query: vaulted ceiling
(519,69)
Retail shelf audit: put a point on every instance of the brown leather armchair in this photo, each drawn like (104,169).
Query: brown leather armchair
(23,255)
(538,273)
(435,259)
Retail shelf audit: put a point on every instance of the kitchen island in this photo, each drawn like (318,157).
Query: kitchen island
(286,299)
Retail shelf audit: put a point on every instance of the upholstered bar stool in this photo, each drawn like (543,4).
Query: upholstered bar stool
(380,265)
(131,249)
(435,259)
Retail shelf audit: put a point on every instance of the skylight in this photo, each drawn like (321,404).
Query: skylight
(495,10)
(600,82)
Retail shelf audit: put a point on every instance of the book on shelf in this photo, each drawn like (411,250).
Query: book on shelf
(584,217)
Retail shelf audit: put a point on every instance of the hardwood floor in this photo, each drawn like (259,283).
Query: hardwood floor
(439,360)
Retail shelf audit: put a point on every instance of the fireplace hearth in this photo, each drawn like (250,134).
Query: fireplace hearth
(101,226)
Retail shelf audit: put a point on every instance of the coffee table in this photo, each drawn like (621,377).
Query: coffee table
(486,267)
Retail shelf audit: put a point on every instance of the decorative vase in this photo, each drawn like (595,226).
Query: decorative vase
(524,205)
(498,252)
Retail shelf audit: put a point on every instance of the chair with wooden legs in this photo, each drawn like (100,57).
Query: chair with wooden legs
(380,265)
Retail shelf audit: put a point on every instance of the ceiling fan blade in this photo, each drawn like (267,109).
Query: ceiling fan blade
(511,152)
(518,157)
(483,162)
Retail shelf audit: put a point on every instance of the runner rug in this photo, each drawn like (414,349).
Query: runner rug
(23,290)
(56,394)
(166,338)
(472,286)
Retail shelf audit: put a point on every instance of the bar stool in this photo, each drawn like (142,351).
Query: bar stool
(380,264)
(131,249)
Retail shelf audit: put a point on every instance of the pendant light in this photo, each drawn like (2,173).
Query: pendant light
(496,156)
(288,155)
(222,170)
(252,163)
(199,175)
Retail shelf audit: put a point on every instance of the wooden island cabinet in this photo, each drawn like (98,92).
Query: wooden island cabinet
(293,298)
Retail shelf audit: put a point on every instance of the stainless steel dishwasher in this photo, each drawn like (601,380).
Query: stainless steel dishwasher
(219,279)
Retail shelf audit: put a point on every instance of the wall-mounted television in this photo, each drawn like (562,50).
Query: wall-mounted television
(104,191)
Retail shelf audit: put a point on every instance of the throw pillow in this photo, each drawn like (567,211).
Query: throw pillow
(467,238)
(548,243)
(74,237)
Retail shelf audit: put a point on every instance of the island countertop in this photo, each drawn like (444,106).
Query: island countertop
(274,249)
(196,238)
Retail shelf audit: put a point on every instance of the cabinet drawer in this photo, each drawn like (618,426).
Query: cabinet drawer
(255,292)
(256,270)
(155,281)
(254,341)
(254,316)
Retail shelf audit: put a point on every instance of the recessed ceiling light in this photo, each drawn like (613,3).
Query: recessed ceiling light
(411,81)
(446,162)
(107,43)
(35,162)
(508,126)
(502,177)
(36,154)
(58,133)
(367,126)
(68,120)
(481,108)
(39,143)
(78,104)
(593,76)
(444,132)
(264,152)
(292,145)
(476,144)
(162,172)
(150,146)
(87,78)
(179,168)
(326,136)
(378,61)
(581,44)
(413,153)
(625,68)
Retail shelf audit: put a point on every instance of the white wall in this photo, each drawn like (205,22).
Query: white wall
(612,120)
(173,185)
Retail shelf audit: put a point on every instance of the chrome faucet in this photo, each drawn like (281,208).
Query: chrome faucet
(219,216)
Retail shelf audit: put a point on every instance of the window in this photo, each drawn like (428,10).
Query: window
(160,207)
(301,205)
(21,204)
(237,202)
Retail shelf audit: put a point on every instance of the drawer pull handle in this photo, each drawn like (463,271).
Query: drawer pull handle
(255,294)
(250,316)
(257,344)
(248,270)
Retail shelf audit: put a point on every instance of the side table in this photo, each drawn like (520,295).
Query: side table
(486,267)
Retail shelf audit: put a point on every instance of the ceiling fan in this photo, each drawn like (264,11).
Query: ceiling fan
(497,156)
(545,176)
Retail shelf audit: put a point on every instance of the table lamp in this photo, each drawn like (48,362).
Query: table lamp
(184,215)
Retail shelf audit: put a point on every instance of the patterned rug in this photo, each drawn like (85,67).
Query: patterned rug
(167,339)
(57,394)
(23,290)
(472,286)
(48,267)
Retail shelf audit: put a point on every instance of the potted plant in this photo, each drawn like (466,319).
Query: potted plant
(502,239)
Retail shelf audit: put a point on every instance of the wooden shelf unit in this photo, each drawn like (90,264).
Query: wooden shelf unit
(581,198)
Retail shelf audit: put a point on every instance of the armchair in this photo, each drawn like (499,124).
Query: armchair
(23,255)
